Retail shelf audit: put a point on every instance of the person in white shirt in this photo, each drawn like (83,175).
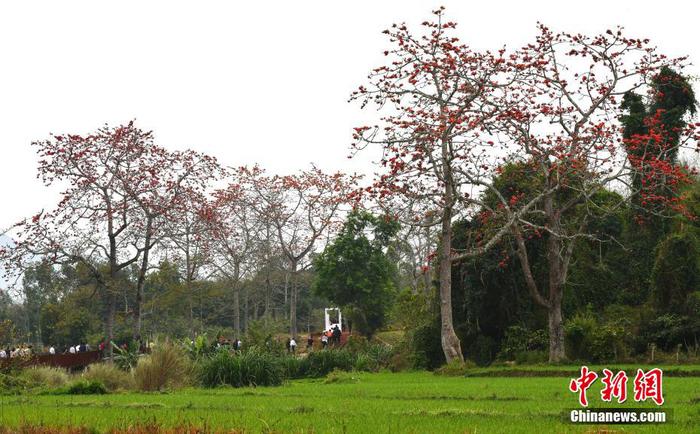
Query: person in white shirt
(52,350)
(292,345)
(71,350)
(3,354)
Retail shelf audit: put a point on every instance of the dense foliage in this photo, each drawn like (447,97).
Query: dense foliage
(355,272)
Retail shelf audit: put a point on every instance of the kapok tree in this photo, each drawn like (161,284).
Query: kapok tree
(119,185)
(560,116)
(232,229)
(303,209)
(95,221)
(166,186)
(188,243)
(432,89)
(457,117)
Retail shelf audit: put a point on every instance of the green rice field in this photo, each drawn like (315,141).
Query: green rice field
(417,402)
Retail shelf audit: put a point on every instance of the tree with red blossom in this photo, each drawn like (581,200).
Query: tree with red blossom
(120,188)
(188,243)
(233,229)
(433,88)
(455,117)
(164,184)
(304,209)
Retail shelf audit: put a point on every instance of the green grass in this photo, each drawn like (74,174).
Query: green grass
(370,403)
(547,370)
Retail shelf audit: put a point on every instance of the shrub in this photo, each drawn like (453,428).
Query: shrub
(374,358)
(250,368)
(126,358)
(518,340)
(111,376)
(165,367)
(363,362)
(587,339)
(46,376)
(532,357)
(455,368)
(320,363)
(81,387)
(13,384)
(667,331)
(578,336)
(198,348)
(291,366)
(402,356)
(357,344)
(425,346)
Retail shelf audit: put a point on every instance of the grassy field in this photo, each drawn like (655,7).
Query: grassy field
(356,403)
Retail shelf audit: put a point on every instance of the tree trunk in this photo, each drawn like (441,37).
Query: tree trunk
(557,270)
(191,307)
(188,287)
(556,331)
(246,306)
(268,298)
(109,320)
(293,302)
(450,342)
(237,310)
(141,281)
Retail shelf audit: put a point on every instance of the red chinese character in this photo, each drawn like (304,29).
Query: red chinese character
(582,384)
(614,386)
(649,385)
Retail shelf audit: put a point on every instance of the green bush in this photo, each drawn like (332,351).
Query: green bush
(425,347)
(578,336)
(589,340)
(11,384)
(291,366)
(249,368)
(81,387)
(320,363)
(363,362)
(110,375)
(374,358)
(126,358)
(532,357)
(667,331)
(357,344)
(517,340)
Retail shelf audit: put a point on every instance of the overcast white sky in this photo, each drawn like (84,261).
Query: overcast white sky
(263,81)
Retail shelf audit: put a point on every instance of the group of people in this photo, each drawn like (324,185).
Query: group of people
(331,336)
(73,349)
(21,351)
(27,350)
(234,344)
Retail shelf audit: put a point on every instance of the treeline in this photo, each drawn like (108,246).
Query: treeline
(530,204)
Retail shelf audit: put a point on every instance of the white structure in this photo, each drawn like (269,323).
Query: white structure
(333,318)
